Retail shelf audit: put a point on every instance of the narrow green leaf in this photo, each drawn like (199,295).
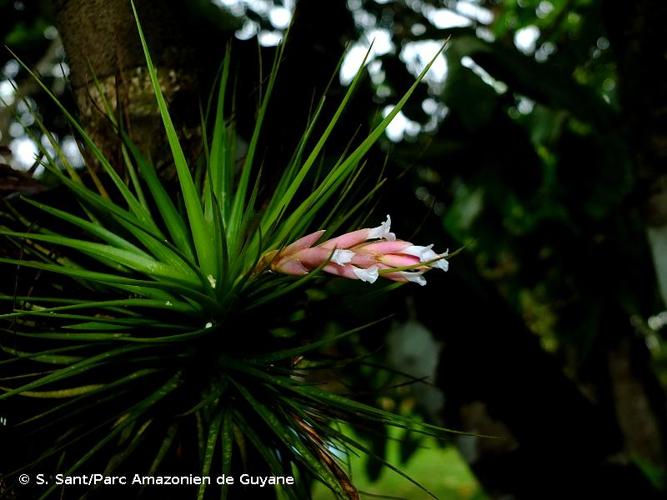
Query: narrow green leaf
(370,453)
(227,445)
(190,193)
(52,359)
(266,452)
(293,440)
(138,262)
(114,280)
(180,307)
(311,346)
(328,187)
(110,115)
(164,448)
(240,196)
(134,412)
(211,443)
(91,228)
(220,171)
(137,437)
(77,402)
(134,204)
(285,195)
(62,393)
(170,215)
(71,370)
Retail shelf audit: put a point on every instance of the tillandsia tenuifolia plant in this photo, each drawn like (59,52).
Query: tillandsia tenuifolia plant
(152,330)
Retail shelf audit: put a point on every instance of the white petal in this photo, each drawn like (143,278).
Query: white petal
(382,231)
(441,264)
(369,275)
(413,277)
(426,254)
(342,257)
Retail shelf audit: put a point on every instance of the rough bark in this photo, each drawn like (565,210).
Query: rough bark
(101,42)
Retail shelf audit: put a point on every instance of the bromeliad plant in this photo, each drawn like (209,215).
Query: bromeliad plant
(154,331)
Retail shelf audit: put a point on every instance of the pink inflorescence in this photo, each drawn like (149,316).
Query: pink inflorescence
(363,255)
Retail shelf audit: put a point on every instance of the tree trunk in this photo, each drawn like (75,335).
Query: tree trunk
(102,43)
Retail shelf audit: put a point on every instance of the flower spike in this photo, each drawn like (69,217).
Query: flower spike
(364,254)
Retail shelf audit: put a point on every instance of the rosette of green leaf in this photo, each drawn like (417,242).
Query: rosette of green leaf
(139,330)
